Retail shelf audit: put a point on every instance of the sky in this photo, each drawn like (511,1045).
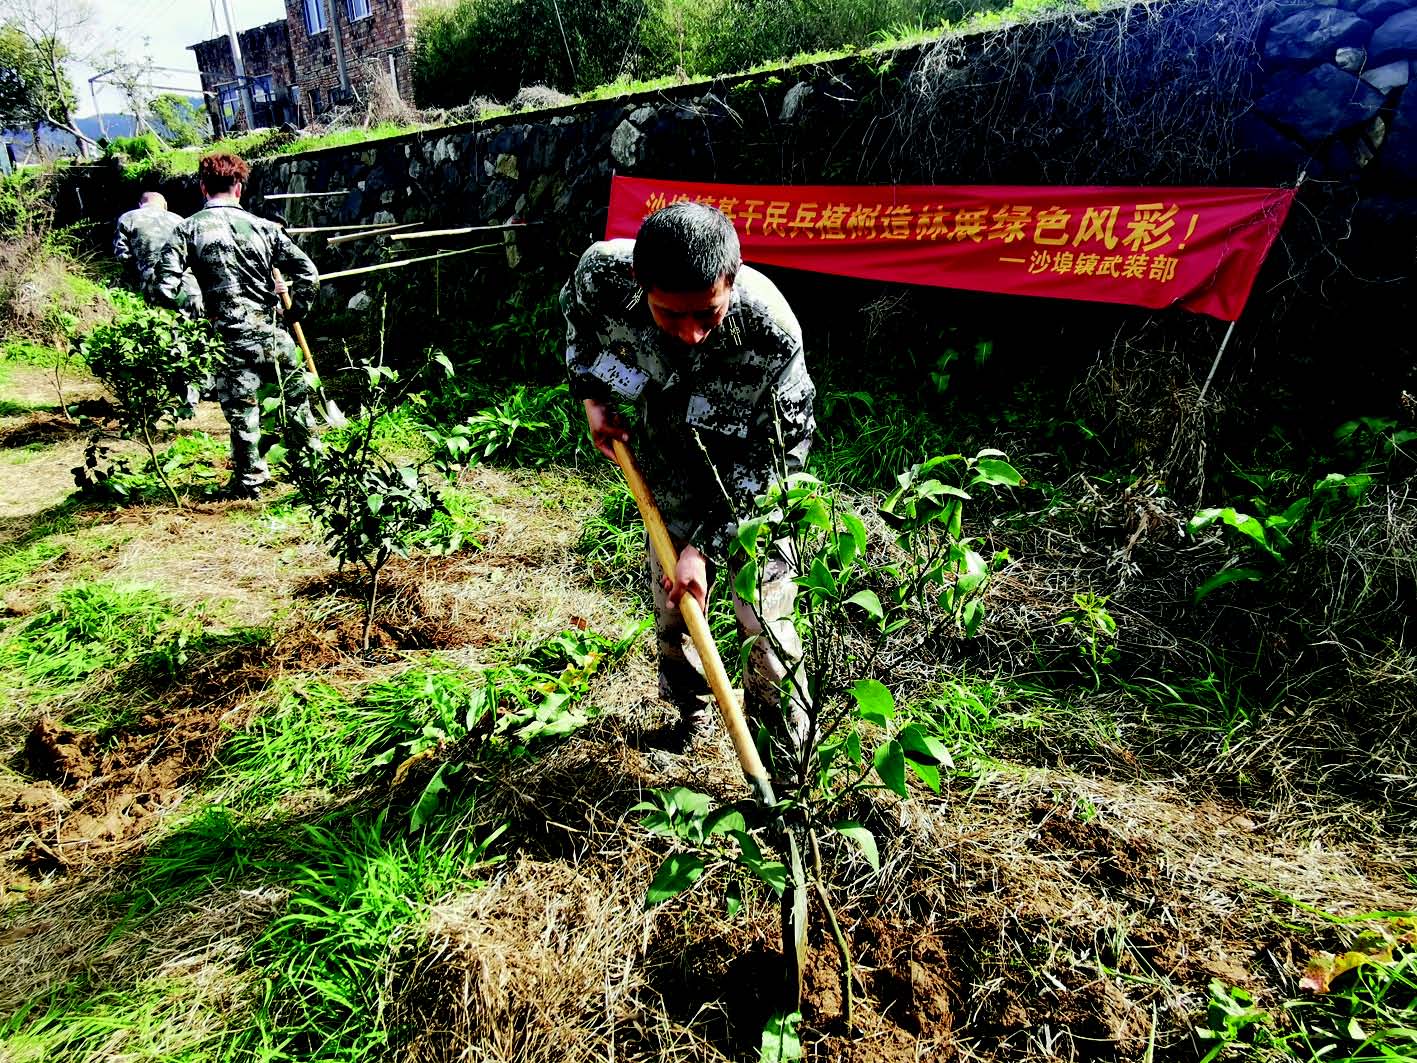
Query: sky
(164,29)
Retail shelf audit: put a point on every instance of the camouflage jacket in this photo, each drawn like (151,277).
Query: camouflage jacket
(233,254)
(720,420)
(137,245)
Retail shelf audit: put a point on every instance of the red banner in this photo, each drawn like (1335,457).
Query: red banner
(1199,248)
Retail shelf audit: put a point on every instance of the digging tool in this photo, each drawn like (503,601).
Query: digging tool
(794,897)
(334,416)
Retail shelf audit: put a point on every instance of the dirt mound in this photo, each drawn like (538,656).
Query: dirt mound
(55,754)
(38,428)
(404,619)
(89,797)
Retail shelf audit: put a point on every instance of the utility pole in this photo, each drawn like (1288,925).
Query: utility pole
(102,127)
(243,86)
(332,16)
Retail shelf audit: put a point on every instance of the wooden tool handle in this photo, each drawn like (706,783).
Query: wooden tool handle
(663,547)
(297,331)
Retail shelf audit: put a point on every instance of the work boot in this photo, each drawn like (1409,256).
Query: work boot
(235,490)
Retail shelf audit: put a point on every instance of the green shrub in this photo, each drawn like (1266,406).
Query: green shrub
(148,357)
(141,146)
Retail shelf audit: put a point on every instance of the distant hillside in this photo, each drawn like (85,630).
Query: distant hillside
(57,142)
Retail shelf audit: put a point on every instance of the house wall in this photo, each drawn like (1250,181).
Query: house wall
(369,42)
(265,50)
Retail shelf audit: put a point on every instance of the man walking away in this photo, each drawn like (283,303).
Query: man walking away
(141,235)
(234,255)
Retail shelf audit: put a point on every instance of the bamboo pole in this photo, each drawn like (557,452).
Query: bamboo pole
(404,262)
(347,237)
(348,228)
(307,195)
(459,232)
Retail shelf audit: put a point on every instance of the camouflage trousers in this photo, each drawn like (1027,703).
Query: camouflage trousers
(239,384)
(774,691)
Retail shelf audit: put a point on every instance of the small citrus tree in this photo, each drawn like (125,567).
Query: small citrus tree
(856,601)
(372,506)
(149,357)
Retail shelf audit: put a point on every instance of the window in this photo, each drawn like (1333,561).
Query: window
(229,104)
(358,9)
(315,16)
(263,98)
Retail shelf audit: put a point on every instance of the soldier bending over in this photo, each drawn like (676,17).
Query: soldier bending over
(710,355)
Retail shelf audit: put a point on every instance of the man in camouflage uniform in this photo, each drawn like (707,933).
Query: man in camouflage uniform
(141,235)
(710,354)
(234,255)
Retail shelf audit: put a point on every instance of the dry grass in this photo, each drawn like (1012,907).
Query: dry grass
(38,287)
(542,965)
(77,933)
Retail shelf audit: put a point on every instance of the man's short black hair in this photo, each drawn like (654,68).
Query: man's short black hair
(686,247)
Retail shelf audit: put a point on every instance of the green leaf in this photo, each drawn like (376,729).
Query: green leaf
(924,748)
(862,838)
(996,473)
(869,601)
(745,582)
(1243,523)
(857,527)
(747,535)
(972,573)
(889,761)
(972,617)
(442,359)
(770,871)
(747,844)
(873,701)
(1224,577)
(781,1042)
(928,773)
(845,550)
(723,820)
(686,800)
(678,872)
(732,899)
(427,805)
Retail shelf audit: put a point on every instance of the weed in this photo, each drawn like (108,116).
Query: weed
(357,897)
(190,461)
(529,426)
(89,628)
(613,543)
(866,439)
(214,848)
(19,562)
(169,1019)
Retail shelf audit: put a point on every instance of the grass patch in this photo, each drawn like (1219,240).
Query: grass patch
(20,562)
(320,739)
(89,628)
(612,542)
(175,1020)
(191,463)
(27,352)
(263,145)
(357,897)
